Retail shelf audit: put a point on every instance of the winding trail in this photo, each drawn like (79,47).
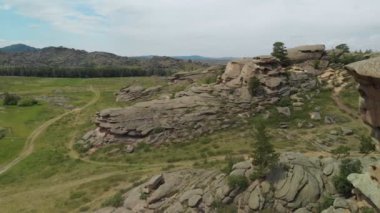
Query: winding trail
(29,143)
(339,103)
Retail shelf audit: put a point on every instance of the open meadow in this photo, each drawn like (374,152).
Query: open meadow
(50,176)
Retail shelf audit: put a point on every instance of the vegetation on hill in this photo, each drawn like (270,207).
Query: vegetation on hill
(64,62)
(17,48)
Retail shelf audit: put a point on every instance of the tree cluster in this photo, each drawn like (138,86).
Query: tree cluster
(83,72)
(347,167)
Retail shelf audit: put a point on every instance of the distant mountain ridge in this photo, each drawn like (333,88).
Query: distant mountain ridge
(18,48)
(22,59)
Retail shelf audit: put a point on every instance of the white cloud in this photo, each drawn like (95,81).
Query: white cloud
(208,27)
(5,7)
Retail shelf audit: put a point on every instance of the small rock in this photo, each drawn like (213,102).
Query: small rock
(155,182)
(194,200)
(334,132)
(316,116)
(347,131)
(284,110)
(341,203)
(129,149)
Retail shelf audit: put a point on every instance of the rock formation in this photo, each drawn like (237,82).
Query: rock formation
(307,52)
(299,185)
(136,92)
(201,108)
(367,74)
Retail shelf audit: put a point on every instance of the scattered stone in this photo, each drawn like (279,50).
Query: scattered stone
(194,200)
(284,110)
(129,148)
(316,116)
(347,131)
(155,182)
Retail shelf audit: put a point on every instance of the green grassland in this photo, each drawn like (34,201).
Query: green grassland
(52,179)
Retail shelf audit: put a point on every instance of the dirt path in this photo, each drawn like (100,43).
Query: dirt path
(335,96)
(29,143)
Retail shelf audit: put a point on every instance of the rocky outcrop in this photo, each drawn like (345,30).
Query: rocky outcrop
(306,52)
(136,92)
(367,185)
(246,86)
(367,74)
(297,186)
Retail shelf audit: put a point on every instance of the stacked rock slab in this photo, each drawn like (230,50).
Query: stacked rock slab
(306,52)
(367,74)
(198,110)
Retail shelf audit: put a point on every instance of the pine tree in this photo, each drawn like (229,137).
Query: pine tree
(264,155)
(280,52)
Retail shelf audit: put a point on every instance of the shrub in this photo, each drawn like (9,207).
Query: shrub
(317,64)
(341,151)
(114,201)
(366,145)
(342,185)
(230,162)
(10,99)
(27,102)
(284,102)
(220,207)
(254,86)
(240,182)
(2,132)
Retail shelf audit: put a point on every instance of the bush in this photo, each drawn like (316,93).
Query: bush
(341,151)
(240,182)
(347,167)
(220,207)
(10,99)
(366,145)
(230,162)
(27,102)
(317,64)
(114,201)
(254,86)
(2,132)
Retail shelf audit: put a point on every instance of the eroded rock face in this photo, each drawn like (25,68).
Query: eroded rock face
(298,186)
(200,109)
(367,74)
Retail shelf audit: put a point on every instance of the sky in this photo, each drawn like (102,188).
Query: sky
(215,28)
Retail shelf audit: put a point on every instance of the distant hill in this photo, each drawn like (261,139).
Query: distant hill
(209,60)
(18,48)
(66,62)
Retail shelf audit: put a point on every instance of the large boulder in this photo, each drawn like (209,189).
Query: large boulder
(367,74)
(306,52)
(368,185)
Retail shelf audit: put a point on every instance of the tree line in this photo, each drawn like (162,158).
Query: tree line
(80,72)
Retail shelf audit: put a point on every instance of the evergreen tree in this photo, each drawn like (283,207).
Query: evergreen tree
(343,47)
(280,52)
(264,155)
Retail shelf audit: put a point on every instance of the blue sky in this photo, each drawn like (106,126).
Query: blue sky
(186,27)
